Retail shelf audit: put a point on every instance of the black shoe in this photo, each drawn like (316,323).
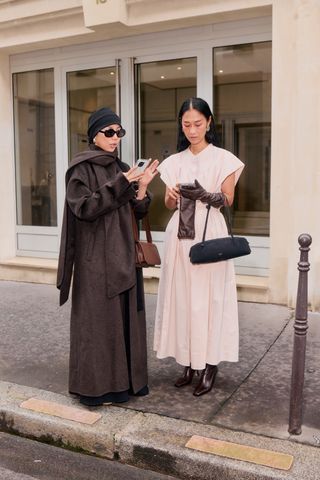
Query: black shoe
(106,399)
(91,401)
(186,378)
(207,379)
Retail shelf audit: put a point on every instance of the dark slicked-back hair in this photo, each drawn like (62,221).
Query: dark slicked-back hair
(201,106)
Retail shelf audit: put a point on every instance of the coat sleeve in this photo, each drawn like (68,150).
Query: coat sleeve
(141,207)
(87,204)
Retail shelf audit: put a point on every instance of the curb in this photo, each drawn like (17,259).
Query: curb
(147,440)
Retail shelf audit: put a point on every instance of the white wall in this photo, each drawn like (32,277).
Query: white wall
(295,176)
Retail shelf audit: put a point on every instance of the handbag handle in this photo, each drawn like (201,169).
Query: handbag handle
(227,218)
(145,223)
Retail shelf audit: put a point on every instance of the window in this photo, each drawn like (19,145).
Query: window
(88,90)
(242,110)
(162,87)
(34,130)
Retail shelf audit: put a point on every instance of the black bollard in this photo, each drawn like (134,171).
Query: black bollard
(300,338)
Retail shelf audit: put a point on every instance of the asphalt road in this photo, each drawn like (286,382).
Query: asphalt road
(23,459)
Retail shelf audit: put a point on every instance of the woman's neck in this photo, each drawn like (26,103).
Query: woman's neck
(196,149)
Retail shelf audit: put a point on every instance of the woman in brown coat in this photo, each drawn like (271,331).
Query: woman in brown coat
(108,356)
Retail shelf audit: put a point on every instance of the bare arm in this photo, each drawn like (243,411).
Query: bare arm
(227,188)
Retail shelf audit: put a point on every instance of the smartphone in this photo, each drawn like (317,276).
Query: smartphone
(142,164)
(187,185)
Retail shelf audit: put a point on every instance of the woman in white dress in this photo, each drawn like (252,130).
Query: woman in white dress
(197,314)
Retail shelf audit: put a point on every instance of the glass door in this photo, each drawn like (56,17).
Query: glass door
(161,88)
(88,90)
(41,120)
(242,106)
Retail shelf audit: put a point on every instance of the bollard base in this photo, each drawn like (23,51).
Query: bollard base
(295,431)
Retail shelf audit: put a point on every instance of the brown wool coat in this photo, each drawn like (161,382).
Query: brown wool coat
(107,292)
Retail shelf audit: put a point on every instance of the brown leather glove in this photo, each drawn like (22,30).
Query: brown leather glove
(197,192)
(187,211)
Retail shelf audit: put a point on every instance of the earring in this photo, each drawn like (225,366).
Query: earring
(94,140)
(208,128)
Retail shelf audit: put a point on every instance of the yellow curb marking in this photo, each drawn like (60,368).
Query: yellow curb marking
(62,411)
(236,451)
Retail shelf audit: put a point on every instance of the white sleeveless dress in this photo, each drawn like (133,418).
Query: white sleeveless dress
(197,314)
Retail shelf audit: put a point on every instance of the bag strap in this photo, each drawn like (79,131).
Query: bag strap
(134,227)
(205,225)
(146,225)
(228,220)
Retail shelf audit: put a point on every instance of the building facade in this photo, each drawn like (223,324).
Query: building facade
(254,61)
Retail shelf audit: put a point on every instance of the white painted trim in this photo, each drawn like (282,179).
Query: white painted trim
(37,244)
(61,140)
(127,110)
(25,229)
(38,254)
(145,46)
(163,56)
(16,154)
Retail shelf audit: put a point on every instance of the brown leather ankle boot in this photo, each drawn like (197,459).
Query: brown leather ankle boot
(186,378)
(206,380)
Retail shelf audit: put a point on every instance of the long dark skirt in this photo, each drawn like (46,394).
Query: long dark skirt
(108,352)
(122,396)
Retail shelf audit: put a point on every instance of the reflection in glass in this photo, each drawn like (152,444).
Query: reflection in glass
(162,87)
(242,109)
(88,90)
(34,130)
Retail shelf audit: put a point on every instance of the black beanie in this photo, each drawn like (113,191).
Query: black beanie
(99,119)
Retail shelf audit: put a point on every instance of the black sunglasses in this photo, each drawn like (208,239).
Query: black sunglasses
(110,133)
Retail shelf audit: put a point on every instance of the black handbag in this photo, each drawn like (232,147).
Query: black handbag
(219,249)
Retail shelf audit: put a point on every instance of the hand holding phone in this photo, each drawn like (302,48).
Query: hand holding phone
(142,164)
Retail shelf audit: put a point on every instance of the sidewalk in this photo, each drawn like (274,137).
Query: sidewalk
(249,404)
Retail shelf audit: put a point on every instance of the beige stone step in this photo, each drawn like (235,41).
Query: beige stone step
(44,270)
